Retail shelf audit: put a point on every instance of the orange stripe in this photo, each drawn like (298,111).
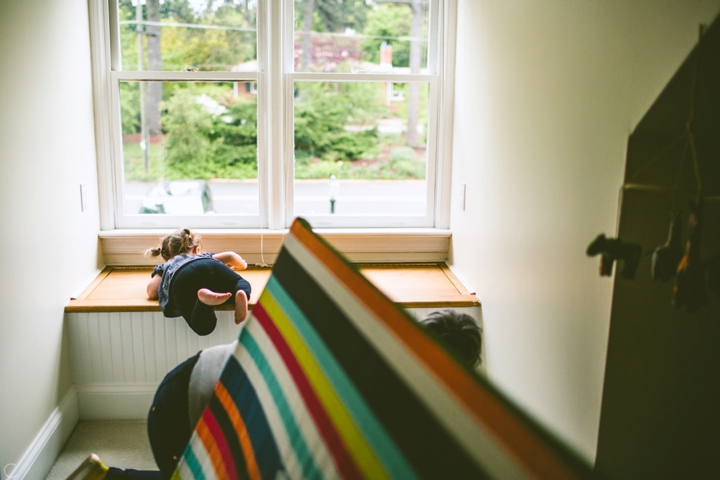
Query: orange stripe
(231,409)
(509,429)
(207,439)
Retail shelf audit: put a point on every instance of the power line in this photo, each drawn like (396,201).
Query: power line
(243,29)
(187,25)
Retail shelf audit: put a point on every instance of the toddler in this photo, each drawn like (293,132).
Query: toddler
(190,283)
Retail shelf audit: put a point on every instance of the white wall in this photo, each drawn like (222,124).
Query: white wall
(48,247)
(546,95)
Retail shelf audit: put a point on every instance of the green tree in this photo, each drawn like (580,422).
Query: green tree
(323,110)
(188,128)
(234,141)
(390,21)
(130,107)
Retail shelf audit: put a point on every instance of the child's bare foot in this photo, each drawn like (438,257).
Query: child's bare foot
(208,297)
(241,307)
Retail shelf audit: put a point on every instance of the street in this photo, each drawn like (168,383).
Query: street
(354,197)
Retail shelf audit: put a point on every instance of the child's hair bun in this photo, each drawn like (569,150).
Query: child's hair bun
(155,252)
(177,243)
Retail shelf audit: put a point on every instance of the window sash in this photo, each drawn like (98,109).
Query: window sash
(370,221)
(275,79)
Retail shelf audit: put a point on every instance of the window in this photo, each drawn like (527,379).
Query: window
(247,113)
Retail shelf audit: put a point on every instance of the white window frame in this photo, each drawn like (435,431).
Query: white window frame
(275,79)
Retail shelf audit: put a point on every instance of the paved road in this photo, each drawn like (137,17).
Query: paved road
(355,197)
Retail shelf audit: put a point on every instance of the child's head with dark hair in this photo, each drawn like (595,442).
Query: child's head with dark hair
(177,243)
(458,333)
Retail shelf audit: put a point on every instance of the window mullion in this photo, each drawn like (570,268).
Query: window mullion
(168,76)
(361,77)
(435,28)
(275,105)
(101,48)
(445,114)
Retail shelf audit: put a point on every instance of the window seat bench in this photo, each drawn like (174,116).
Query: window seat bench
(122,289)
(121,346)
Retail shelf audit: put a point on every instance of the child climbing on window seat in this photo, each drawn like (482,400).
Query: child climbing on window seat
(190,283)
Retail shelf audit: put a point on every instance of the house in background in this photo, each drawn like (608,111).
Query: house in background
(547,95)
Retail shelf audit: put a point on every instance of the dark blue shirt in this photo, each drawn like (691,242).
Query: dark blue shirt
(166,271)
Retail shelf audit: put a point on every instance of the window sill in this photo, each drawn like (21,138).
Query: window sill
(412,245)
(411,286)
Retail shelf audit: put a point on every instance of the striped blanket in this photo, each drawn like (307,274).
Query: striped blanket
(331,380)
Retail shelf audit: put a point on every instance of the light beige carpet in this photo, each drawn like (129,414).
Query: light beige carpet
(118,443)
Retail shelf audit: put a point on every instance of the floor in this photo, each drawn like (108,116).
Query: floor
(118,443)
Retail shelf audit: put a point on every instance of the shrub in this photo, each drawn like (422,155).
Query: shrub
(405,163)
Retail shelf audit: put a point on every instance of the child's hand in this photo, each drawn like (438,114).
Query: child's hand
(240,265)
(232,260)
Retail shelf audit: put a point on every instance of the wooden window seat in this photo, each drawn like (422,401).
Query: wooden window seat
(122,289)
(121,345)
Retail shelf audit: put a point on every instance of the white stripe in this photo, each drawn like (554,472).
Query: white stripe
(479,443)
(203,458)
(314,441)
(277,427)
(184,470)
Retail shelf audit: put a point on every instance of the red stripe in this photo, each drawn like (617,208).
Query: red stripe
(517,436)
(341,456)
(221,443)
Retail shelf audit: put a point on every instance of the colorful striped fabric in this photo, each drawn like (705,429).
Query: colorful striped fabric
(331,380)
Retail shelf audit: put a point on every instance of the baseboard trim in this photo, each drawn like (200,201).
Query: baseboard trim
(40,456)
(115,402)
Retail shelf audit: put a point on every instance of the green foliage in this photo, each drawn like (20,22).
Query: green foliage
(389,20)
(130,107)
(333,15)
(134,163)
(187,144)
(322,111)
(333,134)
(202,144)
(405,163)
(400,154)
(181,47)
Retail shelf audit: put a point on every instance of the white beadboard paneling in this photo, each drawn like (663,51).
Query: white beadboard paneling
(95,347)
(126,341)
(118,359)
(147,321)
(116,349)
(161,364)
(72,320)
(180,344)
(171,351)
(137,346)
(105,347)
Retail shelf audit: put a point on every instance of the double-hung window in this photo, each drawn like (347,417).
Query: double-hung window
(248,113)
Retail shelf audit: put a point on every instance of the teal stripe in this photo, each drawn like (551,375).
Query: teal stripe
(192,461)
(297,440)
(378,438)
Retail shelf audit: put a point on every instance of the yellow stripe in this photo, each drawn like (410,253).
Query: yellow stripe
(360,450)
(515,435)
(239,426)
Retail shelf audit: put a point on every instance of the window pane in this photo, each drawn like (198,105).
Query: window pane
(365,35)
(359,133)
(202,34)
(193,152)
